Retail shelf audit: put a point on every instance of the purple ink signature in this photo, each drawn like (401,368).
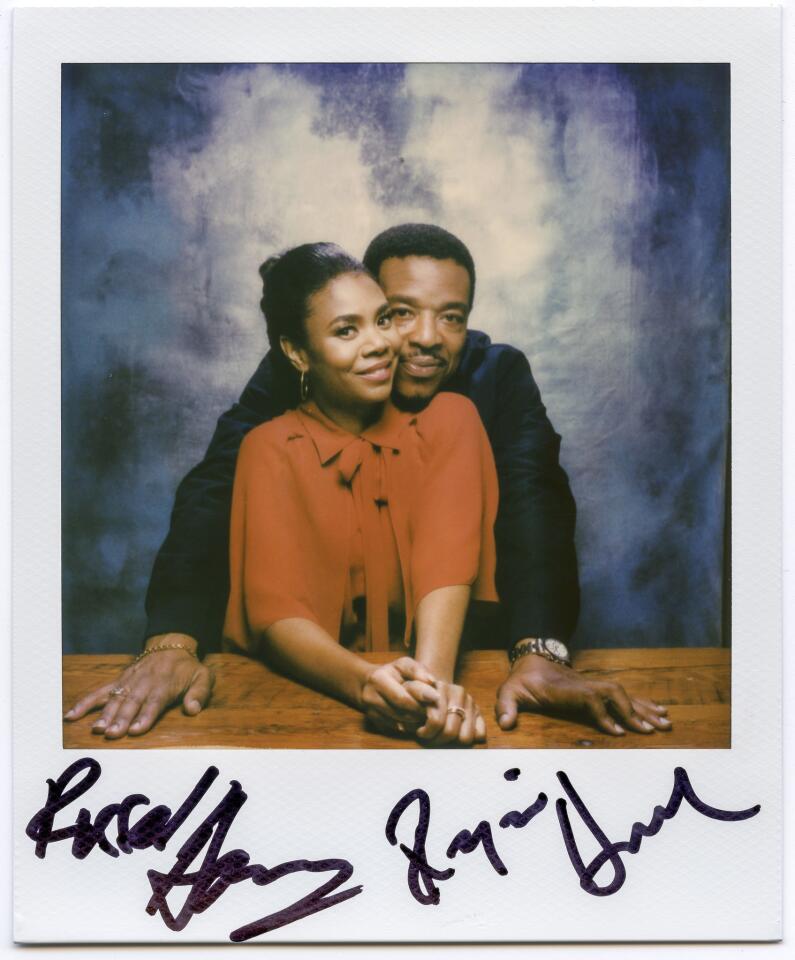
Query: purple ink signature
(218,871)
(421,875)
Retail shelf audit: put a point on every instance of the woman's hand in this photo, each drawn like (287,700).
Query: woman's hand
(395,696)
(149,687)
(455,720)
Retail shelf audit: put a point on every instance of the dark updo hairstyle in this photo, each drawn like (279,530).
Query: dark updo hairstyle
(289,280)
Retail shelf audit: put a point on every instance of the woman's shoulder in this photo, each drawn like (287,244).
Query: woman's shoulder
(449,422)
(448,409)
(273,434)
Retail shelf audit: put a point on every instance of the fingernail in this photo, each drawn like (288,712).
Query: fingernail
(136,725)
(69,713)
(194,705)
(619,729)
(666,721)
(113,728)
(504,718)
(100,724)
(646,725)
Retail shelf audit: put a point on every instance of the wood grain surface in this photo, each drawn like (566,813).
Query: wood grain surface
(253,707)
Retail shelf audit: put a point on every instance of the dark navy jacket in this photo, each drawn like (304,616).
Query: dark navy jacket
(536,561)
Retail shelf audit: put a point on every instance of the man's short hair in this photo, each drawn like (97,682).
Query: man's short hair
(419,240)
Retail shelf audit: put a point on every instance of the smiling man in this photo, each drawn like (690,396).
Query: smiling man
(428,277)
(430,303)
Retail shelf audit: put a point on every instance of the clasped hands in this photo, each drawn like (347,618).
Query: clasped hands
(403,697)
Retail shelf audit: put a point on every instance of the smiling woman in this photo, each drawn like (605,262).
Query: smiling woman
(350,346)
(343,535)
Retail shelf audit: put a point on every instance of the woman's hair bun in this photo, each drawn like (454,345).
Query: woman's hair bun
(268,265)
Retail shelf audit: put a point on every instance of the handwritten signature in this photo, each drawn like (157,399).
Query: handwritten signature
(156,827)
(218,871)
(421,875)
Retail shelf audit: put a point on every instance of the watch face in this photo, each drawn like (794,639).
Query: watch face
(557,649)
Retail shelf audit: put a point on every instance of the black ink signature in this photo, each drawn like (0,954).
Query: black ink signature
(217,873)
(611,852)
(421,875)
(156,827)
(219,870)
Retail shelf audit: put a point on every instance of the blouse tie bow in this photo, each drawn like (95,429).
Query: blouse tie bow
(361,467)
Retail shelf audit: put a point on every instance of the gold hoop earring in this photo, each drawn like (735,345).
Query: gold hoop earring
(304,387)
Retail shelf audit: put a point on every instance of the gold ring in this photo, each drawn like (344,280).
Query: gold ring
(457,710)
(119,691)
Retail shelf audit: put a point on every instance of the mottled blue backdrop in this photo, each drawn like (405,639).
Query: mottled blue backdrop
(594,198)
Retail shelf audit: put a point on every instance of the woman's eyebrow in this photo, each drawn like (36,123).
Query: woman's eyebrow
(357,317)
(345,318)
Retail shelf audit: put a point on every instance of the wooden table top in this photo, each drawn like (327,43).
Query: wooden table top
(254,708)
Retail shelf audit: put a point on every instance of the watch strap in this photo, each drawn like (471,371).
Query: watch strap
(538,646)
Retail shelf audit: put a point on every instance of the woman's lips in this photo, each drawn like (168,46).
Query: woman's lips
(422,367)
(378,373)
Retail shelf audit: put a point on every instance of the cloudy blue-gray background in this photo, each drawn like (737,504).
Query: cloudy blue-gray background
(594,198)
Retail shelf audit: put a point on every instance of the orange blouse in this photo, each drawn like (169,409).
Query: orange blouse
(311,501)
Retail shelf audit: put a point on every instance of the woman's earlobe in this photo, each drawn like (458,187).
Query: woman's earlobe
(294,354)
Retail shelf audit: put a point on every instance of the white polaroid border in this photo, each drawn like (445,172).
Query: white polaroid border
(699,879)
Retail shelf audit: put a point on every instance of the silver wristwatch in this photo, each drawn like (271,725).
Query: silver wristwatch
(554,650)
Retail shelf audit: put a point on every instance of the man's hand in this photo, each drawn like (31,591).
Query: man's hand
(538,684)
(149,688)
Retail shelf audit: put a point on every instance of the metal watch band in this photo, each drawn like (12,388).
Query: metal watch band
(539,647)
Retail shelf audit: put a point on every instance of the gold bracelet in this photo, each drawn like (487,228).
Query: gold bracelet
(164,646)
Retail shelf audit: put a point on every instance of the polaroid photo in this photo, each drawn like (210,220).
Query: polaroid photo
(396,451)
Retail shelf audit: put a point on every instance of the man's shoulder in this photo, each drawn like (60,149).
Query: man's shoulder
(496,376)
(482,356)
